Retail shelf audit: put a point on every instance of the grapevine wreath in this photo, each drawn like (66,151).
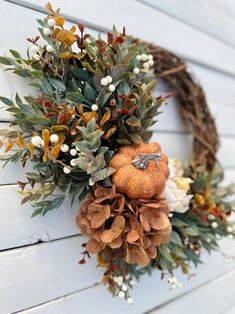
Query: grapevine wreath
(87,134)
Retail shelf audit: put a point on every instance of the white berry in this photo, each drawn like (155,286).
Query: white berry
(66,170)
(36,57)
(34,49)
(64,148)
(138,57)
(144,57)
(136,71)
(73,152)
(121,294)
(54,138)
(46,31)
(73,162)
(150,57)
(124,287)
(151,62)
(146,65)
(104,81)
(51,22)
(109,78)
(214,225)
(94,107)
(36,140)
(208,240)
(130,301)
(49,48)
(211,217)
(230,236)
(111,88)
(229,229)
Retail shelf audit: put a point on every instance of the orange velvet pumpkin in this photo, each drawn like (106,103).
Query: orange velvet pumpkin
(141,170)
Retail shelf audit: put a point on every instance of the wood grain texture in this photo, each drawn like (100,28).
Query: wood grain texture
(204,15)
(151,25)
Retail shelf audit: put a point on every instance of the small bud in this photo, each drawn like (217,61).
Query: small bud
(121,294)
(130,301)
(34,49)
(109,78)
(73,162)
(146,65)
(214,225)
(36,57)
(124,287)
(46,31)
(229,229)
(104,81)
(111,88)
(94,107)
(136,71)
(73,152)
(66,170)
(49,48)
(36,140)
(54,138)
(64,148)
(51,22)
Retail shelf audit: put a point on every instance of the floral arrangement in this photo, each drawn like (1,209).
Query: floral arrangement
(86,133)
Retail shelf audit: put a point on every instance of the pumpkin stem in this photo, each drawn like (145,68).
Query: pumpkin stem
(142,161)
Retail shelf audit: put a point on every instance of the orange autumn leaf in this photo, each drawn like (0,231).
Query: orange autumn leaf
(59,20)
(31,150)
(66,37)
(46,138)
(110,132)
(9,146)
(61,138)
(105,118)
(55,150)
(20,141)
(87,116)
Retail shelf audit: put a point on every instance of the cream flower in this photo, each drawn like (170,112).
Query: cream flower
(177,188)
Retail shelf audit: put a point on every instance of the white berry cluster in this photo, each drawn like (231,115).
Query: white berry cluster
(230,232)
(38,141)
(119,280)
(35,49)
(146,62)
(106,81)
(174,283)
(73,152)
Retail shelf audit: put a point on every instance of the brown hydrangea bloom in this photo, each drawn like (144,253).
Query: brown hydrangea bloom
(134,227)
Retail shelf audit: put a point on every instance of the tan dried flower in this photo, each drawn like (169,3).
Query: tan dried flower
(134,227)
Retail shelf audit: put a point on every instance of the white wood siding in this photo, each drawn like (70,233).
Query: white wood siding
(39,273)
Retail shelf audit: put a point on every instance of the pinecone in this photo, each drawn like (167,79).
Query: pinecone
(134,227)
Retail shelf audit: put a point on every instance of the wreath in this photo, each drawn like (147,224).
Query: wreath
(87,134)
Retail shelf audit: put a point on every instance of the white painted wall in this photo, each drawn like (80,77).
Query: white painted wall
(45,278)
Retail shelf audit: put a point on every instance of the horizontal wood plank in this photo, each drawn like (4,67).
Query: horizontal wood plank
(151,291)
(43,272)
(204,15)
(222,289)
(150,25)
